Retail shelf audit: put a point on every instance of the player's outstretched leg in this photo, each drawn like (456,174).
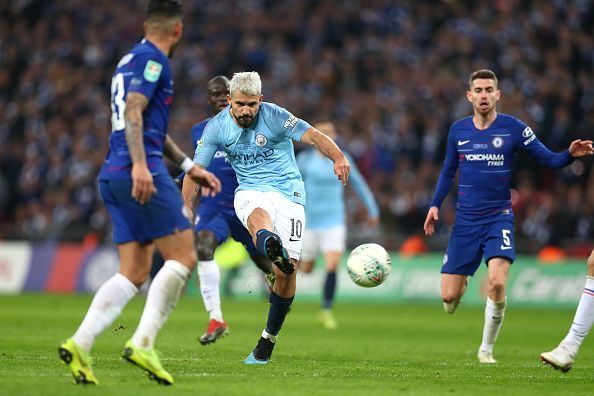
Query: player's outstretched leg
(78,361)
(562,357)
(270,244)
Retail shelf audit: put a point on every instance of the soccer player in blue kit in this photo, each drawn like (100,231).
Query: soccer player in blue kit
(144,203)
(257,137)
(325,216)
(483,147)
(216,220)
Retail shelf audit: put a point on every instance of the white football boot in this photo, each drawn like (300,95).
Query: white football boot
(485,356)
(560,358)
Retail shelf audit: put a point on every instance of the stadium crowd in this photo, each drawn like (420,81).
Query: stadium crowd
(391,75)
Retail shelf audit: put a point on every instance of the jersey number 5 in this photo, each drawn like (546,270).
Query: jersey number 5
(118,105)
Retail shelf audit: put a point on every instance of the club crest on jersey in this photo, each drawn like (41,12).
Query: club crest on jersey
(152,71)
(261,140)
(497,142)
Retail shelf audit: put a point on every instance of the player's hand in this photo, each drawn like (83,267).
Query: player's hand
(342,167)
(372,222)
(579,148)
(210,183)
(432,217)
(143,187)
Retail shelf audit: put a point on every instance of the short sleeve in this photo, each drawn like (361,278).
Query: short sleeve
(291,126)
(147,71)
(208,144)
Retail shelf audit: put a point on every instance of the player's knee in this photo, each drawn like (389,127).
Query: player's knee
(497,286)
(205,245)
(137,275)
(258,219)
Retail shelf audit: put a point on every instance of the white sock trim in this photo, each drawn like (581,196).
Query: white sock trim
(496,305)
(207,266)
(177,267)
(126,284)
(268,336)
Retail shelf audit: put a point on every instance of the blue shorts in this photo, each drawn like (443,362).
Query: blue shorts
(470,243)
(162,215)
(224,222)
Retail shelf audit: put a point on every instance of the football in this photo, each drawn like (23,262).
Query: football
(369,265)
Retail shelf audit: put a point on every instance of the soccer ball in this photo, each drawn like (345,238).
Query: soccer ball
(368,265)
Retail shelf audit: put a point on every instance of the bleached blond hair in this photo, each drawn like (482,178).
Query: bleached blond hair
(248,83)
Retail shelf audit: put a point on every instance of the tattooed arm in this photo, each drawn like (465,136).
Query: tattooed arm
(142,180)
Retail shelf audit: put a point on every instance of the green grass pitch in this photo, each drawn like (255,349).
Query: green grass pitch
(378,349)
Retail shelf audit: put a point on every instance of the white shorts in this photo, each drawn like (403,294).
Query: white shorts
(323,240)
(288,217)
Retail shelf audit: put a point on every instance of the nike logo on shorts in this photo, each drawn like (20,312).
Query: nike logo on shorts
(293,239)
(503,247)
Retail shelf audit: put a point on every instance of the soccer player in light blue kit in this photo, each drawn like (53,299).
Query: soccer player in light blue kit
(144,203)
(257,137)
(216,221)
(483,147)
(325,216)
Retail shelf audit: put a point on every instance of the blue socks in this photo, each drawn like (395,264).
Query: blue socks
(279,307)
(329,288)
(261,237)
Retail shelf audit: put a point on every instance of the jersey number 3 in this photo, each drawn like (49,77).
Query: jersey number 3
(118,105)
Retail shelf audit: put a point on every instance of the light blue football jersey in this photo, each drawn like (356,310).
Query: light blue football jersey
(325,193)
(262,154)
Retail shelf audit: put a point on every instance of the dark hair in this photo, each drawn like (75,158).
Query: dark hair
(219,79)
(164,8)
(484,74)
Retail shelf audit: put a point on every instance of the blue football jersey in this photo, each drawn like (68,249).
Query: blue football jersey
(221,168)
(145,69)
(325,193)
(485,159)
(262,155)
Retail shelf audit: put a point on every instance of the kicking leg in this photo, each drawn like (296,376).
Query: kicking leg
(267,242)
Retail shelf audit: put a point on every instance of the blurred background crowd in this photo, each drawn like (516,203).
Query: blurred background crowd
(391,74)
